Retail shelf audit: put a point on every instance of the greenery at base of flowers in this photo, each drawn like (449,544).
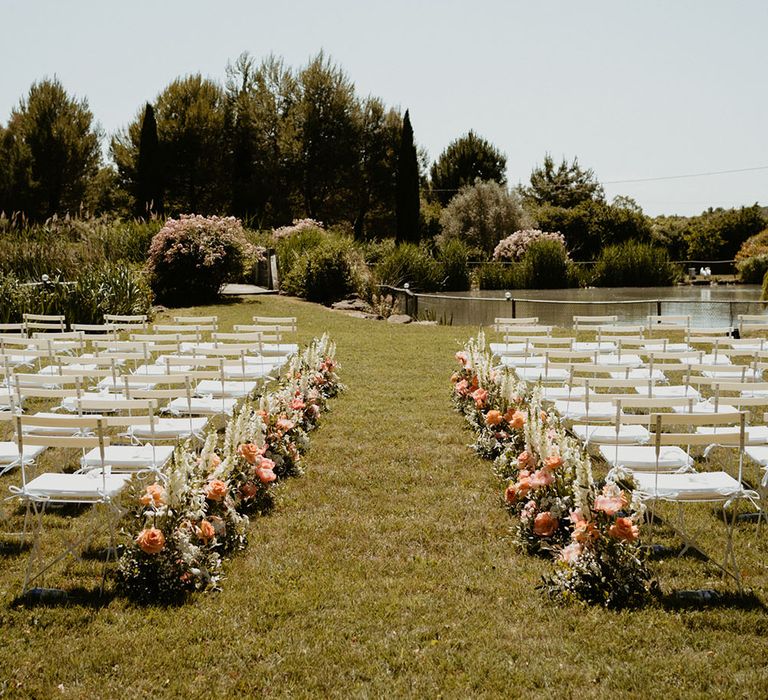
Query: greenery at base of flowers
(611,574)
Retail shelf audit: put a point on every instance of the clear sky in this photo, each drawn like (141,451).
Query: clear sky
(636,89)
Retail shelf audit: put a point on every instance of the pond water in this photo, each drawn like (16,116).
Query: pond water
(707,305)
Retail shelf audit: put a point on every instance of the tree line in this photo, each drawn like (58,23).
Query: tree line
(274,144)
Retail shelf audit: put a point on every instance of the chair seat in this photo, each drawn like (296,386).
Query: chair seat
(592,346)
(202,406)
(504,349)
(623,360)
(78,488)
(749,374)
(641,373)
(607,435)
(643,457)
(580,410)
(158,370)
(213,387)
(705,407)
(286,349)
(133,457)
(672,391)
(70,403)
(169,428)
(669,347)
(555,393)
(536,374)
(9,452)
(523,360)
(699,486)
(718,359)
(117,384)
(753,435)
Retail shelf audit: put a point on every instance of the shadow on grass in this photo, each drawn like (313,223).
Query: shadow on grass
(709,599)
(13,548)
(659,552)
(56,598)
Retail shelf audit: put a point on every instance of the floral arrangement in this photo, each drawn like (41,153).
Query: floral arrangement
(513,247)
(550,489)
(209,249)
(298,226)
(196,510)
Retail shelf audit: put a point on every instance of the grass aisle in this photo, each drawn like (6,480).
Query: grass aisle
(386,571)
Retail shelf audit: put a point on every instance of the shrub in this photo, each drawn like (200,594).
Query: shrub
(410,263)
(546,265)
(291,247)
(752,270)
(633,264)
(513,247)
(483,214)
(453,256)
(493,275)
(325,275)
(764,295)
(191,257)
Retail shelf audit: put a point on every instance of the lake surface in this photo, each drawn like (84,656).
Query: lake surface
(707,305)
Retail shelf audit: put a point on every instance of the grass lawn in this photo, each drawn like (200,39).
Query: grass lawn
(387,570)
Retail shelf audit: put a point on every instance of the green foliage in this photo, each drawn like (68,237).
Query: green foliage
(546,265)
(407,198)
(481,215)
(407,262)
(764,295)
(752,270)
(634,264)
(495,275)
(63,246)
(106,288)
(719,233)
(50,151)
(591,225)
(566,185)
(453,256)
(292,247)
(324,274)
(190,258)
(465,160)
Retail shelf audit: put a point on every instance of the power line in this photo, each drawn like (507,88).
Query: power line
(680,177)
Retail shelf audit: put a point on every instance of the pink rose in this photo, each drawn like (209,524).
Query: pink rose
(624,529)
(545,524)
(570,553)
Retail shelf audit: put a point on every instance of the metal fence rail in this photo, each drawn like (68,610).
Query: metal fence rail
(481,311)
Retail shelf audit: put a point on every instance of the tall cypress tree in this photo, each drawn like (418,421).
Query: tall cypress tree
(407,186)
(149,168)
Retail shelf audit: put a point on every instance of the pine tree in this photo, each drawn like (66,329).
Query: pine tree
(149,183)
(407,186)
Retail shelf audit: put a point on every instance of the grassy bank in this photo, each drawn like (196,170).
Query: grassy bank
(387,570)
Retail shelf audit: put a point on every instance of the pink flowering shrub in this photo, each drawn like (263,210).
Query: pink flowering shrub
(191,257)
(298,226)
(513,248)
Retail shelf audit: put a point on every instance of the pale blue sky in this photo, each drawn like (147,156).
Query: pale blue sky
(634,89)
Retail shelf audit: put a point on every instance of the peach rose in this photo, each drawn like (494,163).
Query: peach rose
(510,494)
(553,461)
(265,475)
(284,425)
(524,458)
(462,358)
(584,531)
(518,420)
(541,478)
(624,529)
(462,387)
(611,501)
(154,496)
(492,418)
(215,490)
(479,396)
(249,452)
(545,524)
(151,540)
(454,377)
(570,553)
(297,405)
(205,531)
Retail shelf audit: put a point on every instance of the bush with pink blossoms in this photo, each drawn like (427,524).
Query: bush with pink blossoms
(513,247)
(297,227)
(191,257)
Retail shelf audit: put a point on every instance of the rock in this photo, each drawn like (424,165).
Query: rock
(356,304)
(362,314)
(399,318)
